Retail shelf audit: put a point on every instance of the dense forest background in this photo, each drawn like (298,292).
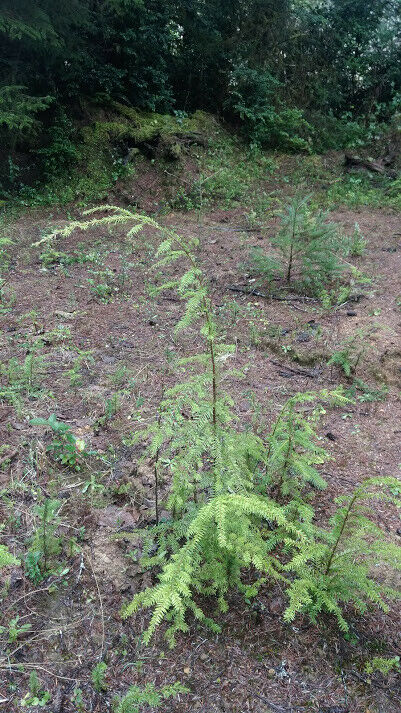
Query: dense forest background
(293,75)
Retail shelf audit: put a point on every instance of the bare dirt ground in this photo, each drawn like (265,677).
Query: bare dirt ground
(257,664)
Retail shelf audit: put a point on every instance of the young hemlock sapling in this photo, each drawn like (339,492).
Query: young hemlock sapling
(45,544)
(309,246)
(136,697)
(293,448)
(346,565)
(6,558)
(223,521)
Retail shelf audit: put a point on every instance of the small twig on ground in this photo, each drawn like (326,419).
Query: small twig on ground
(277,298)
(17,667)
(298,372)
(101,608)
(276,707)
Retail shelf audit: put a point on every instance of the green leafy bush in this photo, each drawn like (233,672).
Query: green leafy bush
(65,447)
(267,121)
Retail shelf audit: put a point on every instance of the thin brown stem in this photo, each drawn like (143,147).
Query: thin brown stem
(275,427)
(337,542)
(290,263)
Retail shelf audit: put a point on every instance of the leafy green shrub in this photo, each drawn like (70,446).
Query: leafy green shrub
(14,629)
(345,131)
(61,151)
(267,121)
(65,447)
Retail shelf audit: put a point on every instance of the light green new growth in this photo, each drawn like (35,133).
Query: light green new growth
(223,480)
(293,447)
(45,543)
(98,677)
(137,697)
(346,564)
(6,558)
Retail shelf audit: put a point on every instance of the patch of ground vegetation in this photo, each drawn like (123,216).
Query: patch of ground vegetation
(98,404)
(160,163)
(200,374)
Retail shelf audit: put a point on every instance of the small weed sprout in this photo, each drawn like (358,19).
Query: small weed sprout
(98,677)
(14,630)
(356,244)
(45,544)
(65,448)
(35,696)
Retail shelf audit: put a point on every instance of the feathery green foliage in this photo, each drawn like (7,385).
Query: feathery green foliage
(346,564)
(225,535)
(383,665)
(45,543)
(352,349)
(309,246)
(217,513)
(98,677)
(293,445)
(6,558)
(136,697)
(224,519)
(18,111)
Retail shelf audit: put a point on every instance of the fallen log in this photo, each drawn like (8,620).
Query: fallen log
(351,161)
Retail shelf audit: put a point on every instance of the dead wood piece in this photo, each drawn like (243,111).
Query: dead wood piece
(298,372)
(278,298)
(351,161)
